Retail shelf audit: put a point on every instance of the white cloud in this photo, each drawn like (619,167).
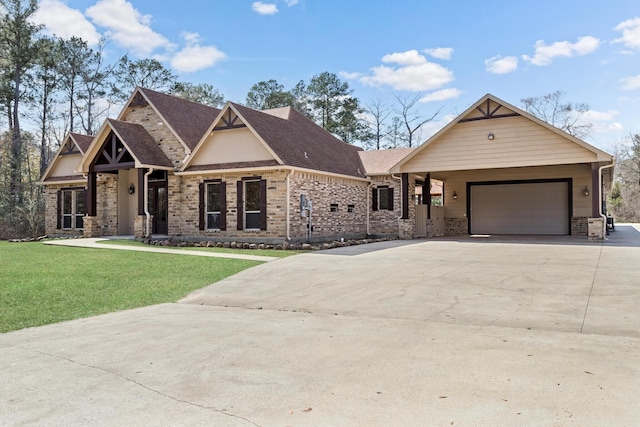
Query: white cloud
(501,65)
(65,22)
(291,2)
(350,76)
(603,121)
(264,8)
(630,33)
(630,83)
(410,71)
(544,54)
(410,57)
(440,52)
(195,57)
(441,95)
(127,26)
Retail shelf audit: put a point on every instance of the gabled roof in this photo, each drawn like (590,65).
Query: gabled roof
(136,140)
(73,143)
(82,141)
(186,119)
(600,155)
(379,162)
(294,140)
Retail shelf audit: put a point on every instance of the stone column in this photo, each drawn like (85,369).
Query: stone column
(140,226)
(91,227)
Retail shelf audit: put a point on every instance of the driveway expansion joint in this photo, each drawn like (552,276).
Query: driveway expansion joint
(138,383)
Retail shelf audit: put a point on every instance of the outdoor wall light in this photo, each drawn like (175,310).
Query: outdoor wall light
(132,189)
(585,191)
(490,136)
(455,196)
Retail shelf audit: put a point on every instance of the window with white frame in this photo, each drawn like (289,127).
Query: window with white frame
(73,208)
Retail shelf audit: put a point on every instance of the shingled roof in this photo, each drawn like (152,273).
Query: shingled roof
(82,141)
(299,142)
(379,162)
(140,144)
(189,120)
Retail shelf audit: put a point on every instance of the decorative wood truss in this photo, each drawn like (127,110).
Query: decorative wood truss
(70,148)
(113,156)
(489,113)
(229,121)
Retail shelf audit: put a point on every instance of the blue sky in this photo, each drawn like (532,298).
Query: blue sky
(449,53)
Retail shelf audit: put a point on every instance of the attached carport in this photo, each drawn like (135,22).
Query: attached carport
(507,172)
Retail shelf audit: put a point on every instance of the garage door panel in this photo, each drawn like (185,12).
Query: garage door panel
(520,208)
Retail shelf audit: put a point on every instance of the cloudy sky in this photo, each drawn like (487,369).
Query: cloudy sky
(448,53)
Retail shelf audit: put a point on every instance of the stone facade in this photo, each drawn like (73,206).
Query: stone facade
(149,119)
(456,226)
(579,226)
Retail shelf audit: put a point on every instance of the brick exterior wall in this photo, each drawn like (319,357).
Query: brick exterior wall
(147,117)
(323,191)
(385,222)
(579,226)
(107,209)
(51,212)
(456,226)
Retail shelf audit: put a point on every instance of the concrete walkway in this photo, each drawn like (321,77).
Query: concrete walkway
(95,244)
(497,331)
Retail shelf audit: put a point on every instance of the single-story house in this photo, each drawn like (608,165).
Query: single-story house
(170,167)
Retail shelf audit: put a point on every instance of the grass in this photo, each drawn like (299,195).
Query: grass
(42,284)
(261,252)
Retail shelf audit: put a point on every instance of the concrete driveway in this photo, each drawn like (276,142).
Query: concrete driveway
(469,331)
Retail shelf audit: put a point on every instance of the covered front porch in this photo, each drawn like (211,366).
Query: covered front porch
(127,183)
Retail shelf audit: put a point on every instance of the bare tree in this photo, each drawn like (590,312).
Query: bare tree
(567,116)
(378,112)
(411,121)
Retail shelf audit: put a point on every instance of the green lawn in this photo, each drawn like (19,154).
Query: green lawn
(261,252)
(42,284)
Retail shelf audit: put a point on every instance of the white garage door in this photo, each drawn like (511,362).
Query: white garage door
(520,208)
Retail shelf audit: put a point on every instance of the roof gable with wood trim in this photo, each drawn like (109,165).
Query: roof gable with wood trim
(286,135)
(63,165)
(122,145)
(494,134)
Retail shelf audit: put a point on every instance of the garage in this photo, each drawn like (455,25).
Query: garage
(524,207)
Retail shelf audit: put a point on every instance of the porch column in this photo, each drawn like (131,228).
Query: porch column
(141,191)
(596,191)
(426,194)
(91,194)
(405,196)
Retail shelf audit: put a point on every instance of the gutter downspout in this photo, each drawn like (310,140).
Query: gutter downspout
(602,215)
(369,187)
(146,202)
(288,210)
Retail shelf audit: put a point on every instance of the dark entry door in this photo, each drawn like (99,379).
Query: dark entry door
(158,207)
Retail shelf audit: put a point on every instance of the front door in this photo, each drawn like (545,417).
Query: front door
(158,207)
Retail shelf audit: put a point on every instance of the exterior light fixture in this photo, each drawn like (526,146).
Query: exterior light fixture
(585,191)
(490,136)
(455,196)
(132,188)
